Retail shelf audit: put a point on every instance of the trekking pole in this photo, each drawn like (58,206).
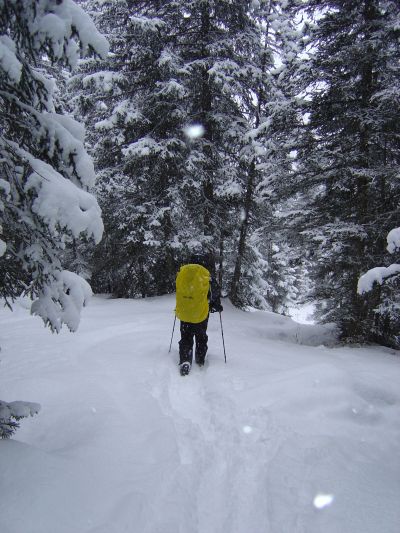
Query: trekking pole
(222,332)
(173,329)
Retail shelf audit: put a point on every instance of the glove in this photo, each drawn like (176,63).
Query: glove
(216,308)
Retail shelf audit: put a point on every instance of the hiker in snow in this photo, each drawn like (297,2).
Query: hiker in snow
(197,293)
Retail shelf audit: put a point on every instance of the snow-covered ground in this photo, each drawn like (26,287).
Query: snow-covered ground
(303,314)
(289,436)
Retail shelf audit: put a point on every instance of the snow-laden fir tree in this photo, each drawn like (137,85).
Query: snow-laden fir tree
(45,172)
(133,105)
(168,149)
(350,155)
(99,95)
(266,147)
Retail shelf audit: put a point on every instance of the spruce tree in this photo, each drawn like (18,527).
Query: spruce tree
(45,171)
(166,190)
(138,142)
(350,154)
(272,129)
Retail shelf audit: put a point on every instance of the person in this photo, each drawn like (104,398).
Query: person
(198,294)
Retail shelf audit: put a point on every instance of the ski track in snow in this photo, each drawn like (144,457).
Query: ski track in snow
(124,443)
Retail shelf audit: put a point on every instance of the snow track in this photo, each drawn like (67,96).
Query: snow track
(124,443)
(224,457)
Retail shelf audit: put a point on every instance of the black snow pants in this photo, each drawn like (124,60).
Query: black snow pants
(199,332)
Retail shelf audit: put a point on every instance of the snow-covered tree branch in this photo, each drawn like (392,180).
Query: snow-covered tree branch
(380,274)
(11,413)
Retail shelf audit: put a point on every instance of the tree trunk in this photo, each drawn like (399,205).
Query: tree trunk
(234,293)
(359,304)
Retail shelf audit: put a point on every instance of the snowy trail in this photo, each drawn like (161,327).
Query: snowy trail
(217,452)
(124,443)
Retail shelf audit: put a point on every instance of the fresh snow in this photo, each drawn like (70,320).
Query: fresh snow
(8,59)
(61,204)
(103,80)
(74,128)
(290,436)
(393,240)
(68,20)
(68,135)
(376,275)
(67,289)
(141,148)
(18,409)
(380,274)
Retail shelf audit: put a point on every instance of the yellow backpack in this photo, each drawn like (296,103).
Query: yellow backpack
(192,286)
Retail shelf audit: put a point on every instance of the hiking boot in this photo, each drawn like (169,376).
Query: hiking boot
(184,369)
(200,359)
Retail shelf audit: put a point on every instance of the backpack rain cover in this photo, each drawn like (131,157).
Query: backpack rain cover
(192,286)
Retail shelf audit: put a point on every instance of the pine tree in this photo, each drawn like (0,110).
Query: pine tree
(186,67)
(138,144)
(351,153)
(46,171)
(266,147)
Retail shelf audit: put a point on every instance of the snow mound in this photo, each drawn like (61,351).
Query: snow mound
(267,325)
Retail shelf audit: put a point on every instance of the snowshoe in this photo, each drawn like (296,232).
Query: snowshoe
(184,369)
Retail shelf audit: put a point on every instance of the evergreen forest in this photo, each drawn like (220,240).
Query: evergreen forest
(266,132)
